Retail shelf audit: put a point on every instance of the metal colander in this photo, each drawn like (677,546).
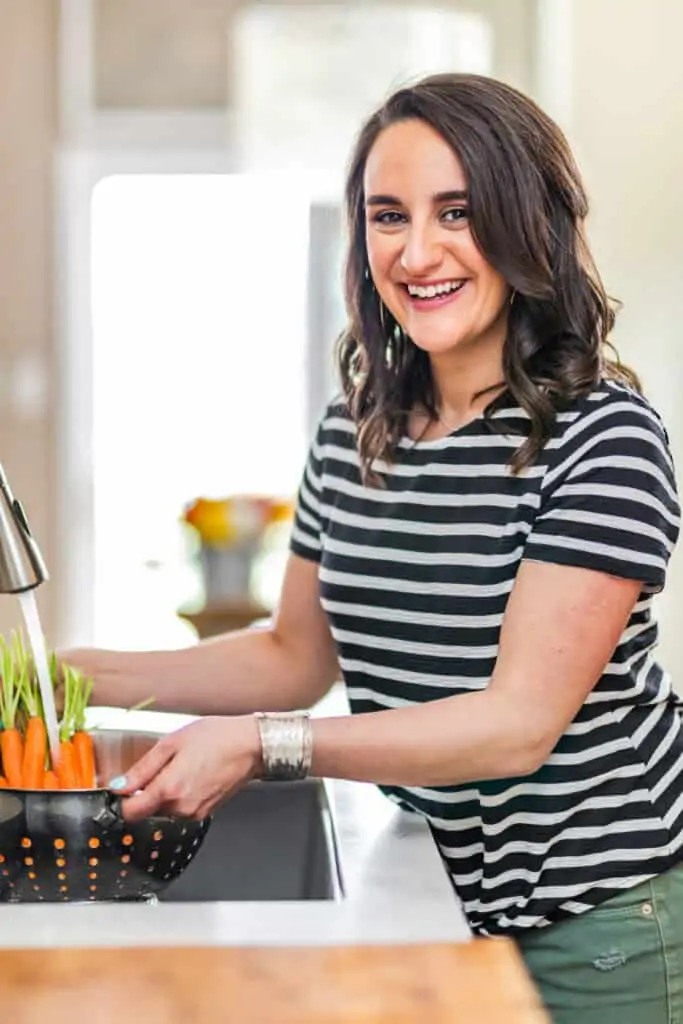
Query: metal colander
(75,846)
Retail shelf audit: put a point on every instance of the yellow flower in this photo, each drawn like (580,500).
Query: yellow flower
(280,511)
(212,521)
(225,521)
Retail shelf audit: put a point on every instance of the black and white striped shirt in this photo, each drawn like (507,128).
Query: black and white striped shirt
(415,577)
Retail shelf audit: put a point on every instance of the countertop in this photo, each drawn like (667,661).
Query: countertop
(478,982)
(396,889)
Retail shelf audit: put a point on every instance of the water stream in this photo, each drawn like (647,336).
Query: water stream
(34,629)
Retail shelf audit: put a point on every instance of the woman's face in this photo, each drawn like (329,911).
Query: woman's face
(423,258)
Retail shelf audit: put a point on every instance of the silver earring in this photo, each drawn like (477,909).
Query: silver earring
(392,349)
(388,348)
(513,296)
(357,373)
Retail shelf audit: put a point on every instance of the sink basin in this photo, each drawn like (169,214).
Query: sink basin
(272,841)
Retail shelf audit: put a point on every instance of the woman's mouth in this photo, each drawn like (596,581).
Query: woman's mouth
(432,296)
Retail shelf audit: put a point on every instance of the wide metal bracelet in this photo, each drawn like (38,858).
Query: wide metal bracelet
(286,744)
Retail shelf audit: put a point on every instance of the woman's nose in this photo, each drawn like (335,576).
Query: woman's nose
(421,252)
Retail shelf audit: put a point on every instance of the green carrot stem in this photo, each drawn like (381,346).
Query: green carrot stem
(65,725)
(142,705)
(10,692)
(82,690)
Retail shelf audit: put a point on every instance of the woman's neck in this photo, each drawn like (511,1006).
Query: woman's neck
(464,388)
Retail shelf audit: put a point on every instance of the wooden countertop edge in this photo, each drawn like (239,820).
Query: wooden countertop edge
(482,981)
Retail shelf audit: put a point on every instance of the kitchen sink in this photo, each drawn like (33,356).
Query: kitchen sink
(272,841)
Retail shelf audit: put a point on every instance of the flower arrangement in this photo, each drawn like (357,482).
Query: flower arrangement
(235,521)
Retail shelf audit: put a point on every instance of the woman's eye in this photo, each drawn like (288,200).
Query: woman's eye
(456,214)
(388,217)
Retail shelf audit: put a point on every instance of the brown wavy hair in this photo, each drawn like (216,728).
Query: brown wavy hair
(527,209)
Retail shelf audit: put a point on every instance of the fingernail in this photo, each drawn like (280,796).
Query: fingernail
(120,782)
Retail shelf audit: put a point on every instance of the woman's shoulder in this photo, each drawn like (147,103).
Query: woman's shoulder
(611,407)
(335,423)
(337,407)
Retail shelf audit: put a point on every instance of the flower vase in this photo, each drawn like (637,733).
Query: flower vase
(227,571)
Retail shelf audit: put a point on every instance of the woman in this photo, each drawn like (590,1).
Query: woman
(484,518)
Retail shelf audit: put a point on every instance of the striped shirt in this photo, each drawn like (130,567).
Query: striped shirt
(414,580)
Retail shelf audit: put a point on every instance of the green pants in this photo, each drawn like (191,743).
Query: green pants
(621,963)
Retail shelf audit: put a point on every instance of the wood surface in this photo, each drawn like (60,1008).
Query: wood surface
(483,981)
(217,618)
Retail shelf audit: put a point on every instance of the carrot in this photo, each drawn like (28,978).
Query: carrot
(35,736)
(35,750)
(67,770)
(84,750)
(77,691)
(11,742)
(12,746)
(50,781)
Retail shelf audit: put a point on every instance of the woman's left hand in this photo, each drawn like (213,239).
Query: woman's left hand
(191,770)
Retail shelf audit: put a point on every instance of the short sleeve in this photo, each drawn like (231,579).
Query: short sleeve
(609,499)
(306,536)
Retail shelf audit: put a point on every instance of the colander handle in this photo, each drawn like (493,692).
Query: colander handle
(110,814)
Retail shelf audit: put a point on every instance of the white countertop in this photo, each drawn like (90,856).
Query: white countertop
(396,889)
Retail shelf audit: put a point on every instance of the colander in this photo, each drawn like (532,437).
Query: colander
(75,846)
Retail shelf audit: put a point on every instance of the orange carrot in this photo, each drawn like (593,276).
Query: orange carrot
(85,758)
(77,690)
(11,741)
(33,721)
(35,749)
(50,781)
(67,770)
(12,747)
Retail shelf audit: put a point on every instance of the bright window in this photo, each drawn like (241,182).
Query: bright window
(199,321)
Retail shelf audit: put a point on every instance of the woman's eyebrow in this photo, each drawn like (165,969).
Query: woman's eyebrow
(449,197)
(380,200)
(440,197)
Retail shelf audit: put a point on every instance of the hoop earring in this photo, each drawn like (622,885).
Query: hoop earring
(513,296)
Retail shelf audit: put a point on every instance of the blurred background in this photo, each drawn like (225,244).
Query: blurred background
(170,245)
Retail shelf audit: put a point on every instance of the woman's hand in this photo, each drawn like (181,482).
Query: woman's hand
(190,771)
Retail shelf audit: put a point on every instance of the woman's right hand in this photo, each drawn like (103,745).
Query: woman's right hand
(90,663)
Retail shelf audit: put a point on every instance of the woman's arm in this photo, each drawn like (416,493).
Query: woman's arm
(289,665)
(560,629)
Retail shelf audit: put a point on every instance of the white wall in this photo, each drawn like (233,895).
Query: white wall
(626,125)
(27,369)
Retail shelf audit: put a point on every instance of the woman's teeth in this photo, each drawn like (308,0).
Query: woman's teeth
(432,290)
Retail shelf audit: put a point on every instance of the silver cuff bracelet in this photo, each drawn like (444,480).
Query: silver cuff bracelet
(286,744)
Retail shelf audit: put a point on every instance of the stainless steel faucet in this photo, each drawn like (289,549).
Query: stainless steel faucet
(21,563)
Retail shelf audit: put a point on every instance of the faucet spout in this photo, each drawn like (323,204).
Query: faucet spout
(21,563)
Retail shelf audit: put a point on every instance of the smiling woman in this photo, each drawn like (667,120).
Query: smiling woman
(485,516)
